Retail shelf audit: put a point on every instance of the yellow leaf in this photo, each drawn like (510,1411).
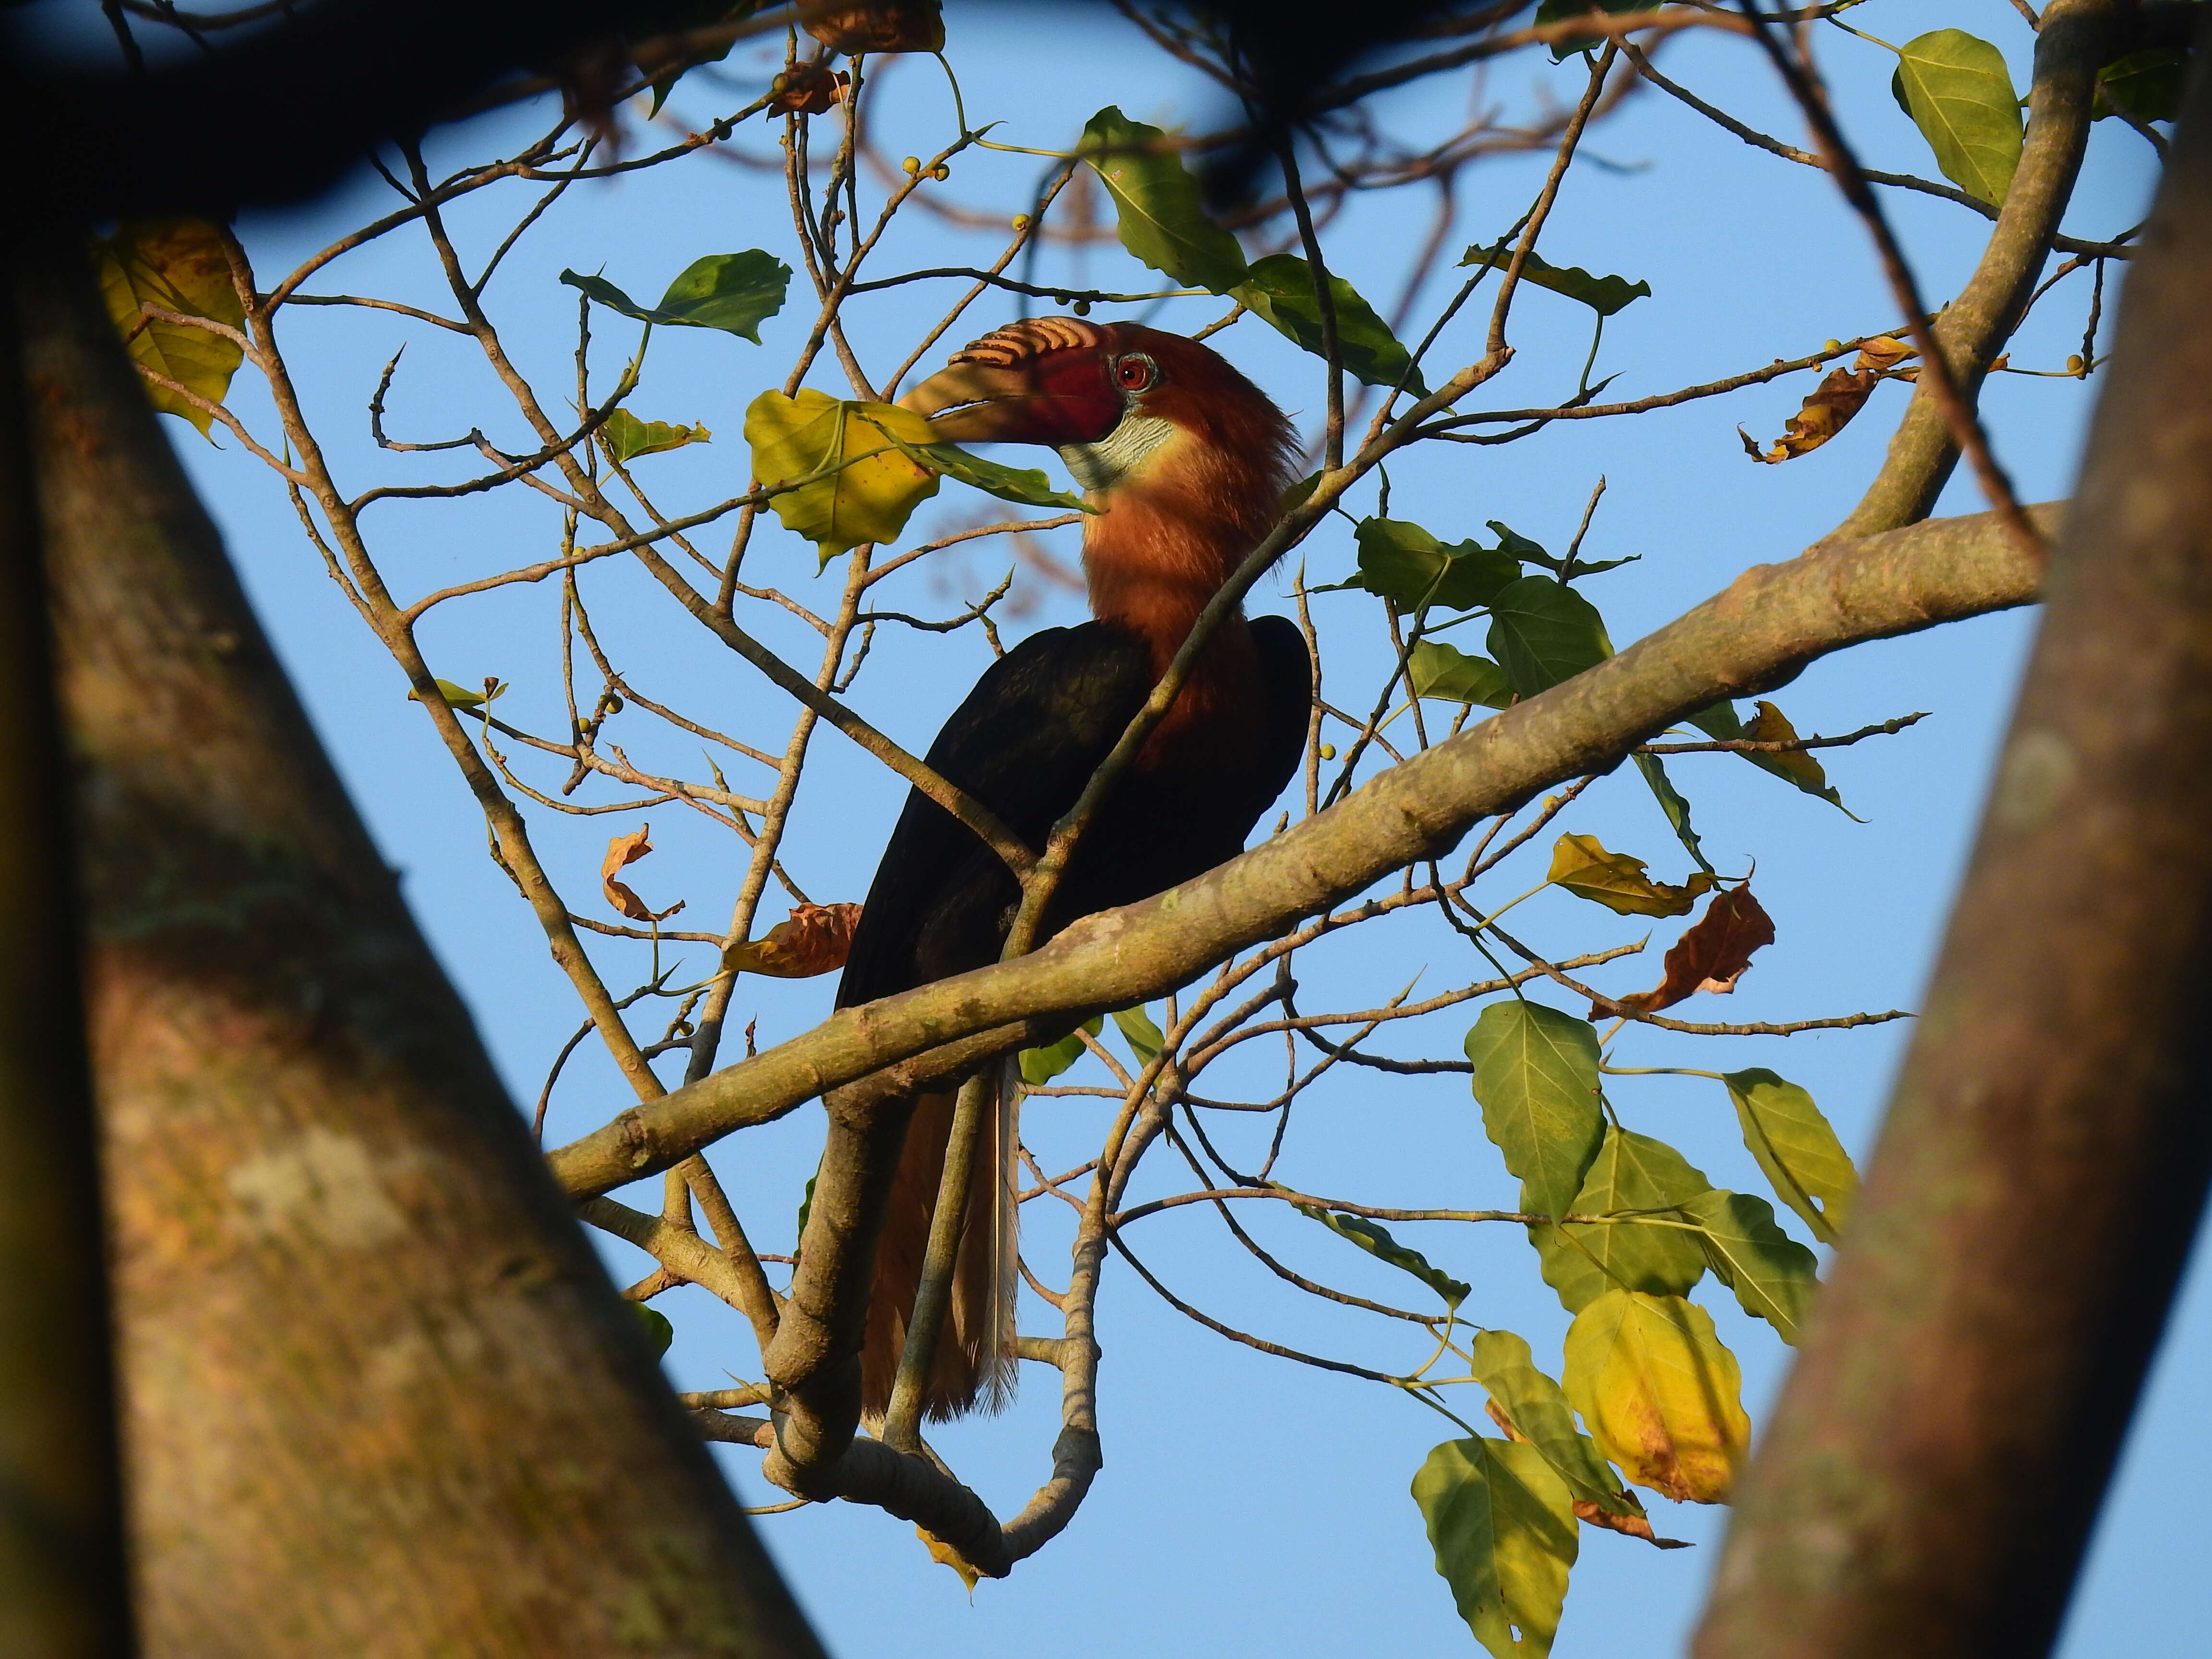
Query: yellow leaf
(1772,726)
(1617,880)
(942,1552)
(1659,1393)
(175,265)
(867,486)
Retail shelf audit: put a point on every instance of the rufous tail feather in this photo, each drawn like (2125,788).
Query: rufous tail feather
(974,1366)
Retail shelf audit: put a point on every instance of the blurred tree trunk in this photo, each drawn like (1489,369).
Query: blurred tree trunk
(62,1579)
(379,1399)
(1928,1483)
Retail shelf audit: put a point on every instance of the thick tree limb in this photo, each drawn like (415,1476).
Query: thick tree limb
(380,1399)
(1925,1488)
(1757,634)
(63,1594)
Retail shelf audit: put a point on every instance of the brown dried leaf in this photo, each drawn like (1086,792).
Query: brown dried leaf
(942,1552)
(806,89)
(885,26)
(626,850)
(1884,353)
(814,938)
(1710,957)
(1834,401)
(1511,1433)
(1635,1525)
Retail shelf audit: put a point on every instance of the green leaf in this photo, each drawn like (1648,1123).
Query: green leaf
(1535,1078)
(1603,294)
(1542,632)
(869,480)
(1450,675)
(806,1209)
(2147,84)
(1558,12)
(1026,485)
(1660,1392)
(1631,1174)
(1773,1276)
(1401,562)
(1375,1240)
(1672,803)
(732,292)
(1808,1166)
(1280,291)
(460,697)
(626,437)
(1795,767)
(1139,1031)
(1040,1065)
(1537,1408)
(177,265)
(1502,1528)
(1957,90)
(657,1331)
(1157,204)
(1515,545)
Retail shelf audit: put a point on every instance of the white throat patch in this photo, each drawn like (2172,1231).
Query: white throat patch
(1124,449)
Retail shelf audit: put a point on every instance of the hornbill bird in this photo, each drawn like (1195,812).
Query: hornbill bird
(1185,463)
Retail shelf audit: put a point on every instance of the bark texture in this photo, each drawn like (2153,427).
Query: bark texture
(380,1399)
(1928,1482)
(62,1578)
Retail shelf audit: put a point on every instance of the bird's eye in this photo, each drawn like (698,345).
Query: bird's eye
(1135,372)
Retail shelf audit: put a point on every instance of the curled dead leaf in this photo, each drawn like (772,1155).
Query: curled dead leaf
(1635,1525)
(806,89)
(886,25)
(1834,401)
(1710,957)
(625,850)
(1883,353)
(814,938)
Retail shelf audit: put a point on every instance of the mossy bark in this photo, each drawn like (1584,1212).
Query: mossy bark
(380,1399)
(1928,1483)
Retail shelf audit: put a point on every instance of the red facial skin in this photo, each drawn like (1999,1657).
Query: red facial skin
(1169,533)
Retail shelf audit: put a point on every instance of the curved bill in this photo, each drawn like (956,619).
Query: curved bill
(986,402)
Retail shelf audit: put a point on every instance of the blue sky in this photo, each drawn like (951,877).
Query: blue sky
(1245,1503)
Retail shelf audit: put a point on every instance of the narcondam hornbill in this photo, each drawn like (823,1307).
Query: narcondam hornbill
(1185,462)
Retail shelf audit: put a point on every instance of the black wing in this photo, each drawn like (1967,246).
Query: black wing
(1286,667)
(1024,743)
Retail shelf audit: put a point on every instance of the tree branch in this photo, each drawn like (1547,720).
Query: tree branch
(1766,627)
